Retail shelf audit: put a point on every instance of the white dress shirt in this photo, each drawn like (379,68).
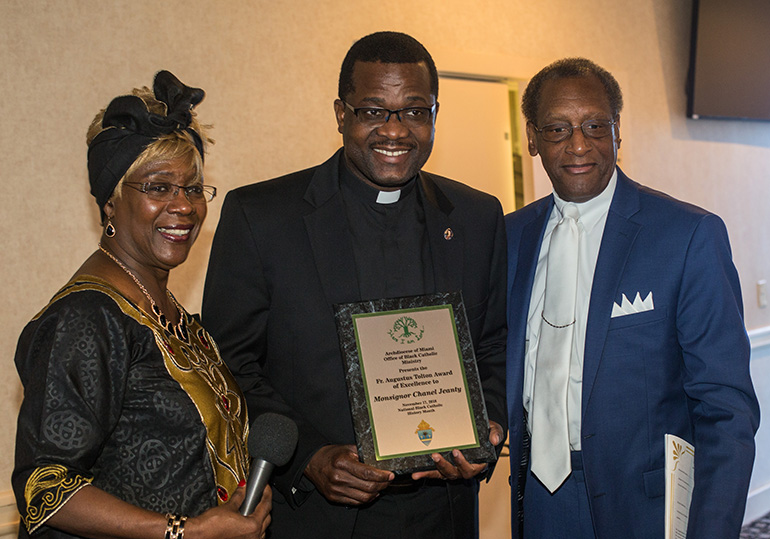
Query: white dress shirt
(593,216)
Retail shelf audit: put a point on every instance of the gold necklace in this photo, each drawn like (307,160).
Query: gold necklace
(179,330)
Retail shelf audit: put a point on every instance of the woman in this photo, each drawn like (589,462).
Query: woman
(131,424)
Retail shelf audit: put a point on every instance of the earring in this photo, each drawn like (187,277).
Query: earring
(109,230)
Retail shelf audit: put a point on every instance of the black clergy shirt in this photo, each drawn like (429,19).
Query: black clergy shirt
(390,243)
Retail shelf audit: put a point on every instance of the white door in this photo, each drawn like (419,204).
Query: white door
(473,137)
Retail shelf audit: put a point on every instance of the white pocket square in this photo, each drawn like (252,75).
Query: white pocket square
(638,306)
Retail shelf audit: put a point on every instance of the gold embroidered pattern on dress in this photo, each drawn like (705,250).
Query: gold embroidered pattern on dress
(53,486)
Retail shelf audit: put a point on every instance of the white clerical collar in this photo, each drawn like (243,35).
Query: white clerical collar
(592,210)
(388,197)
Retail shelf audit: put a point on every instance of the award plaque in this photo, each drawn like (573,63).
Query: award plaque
(412,380)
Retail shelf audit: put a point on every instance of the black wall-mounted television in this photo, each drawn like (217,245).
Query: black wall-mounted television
(729,75)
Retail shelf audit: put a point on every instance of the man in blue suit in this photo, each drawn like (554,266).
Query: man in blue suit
(656,343)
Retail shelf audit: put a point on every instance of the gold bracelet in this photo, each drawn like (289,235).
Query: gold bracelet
(175,526)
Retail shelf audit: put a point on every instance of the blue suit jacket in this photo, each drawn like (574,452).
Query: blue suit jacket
(681,368)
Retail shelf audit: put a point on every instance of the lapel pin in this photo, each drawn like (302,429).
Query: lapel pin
(448,234)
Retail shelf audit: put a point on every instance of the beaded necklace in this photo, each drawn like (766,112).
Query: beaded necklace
(179,330)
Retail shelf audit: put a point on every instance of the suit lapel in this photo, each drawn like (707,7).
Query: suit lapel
(523,262)
(446,245)
(617,240)
(329,234)
(526,263)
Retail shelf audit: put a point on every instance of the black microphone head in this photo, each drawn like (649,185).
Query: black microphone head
(273,438)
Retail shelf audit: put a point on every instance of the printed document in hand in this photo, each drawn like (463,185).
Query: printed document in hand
(680,478)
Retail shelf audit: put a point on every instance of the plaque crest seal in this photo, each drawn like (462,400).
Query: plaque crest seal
(424,432)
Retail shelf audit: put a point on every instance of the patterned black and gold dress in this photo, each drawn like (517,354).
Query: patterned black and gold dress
(113,399)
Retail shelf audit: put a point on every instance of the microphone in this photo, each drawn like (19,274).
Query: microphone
(272,440)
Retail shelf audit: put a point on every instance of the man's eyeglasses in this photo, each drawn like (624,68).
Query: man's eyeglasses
(166,192)
(562,131)
(377,116)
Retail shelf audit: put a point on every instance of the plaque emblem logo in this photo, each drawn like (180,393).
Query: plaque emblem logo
(424,432)
(405,330)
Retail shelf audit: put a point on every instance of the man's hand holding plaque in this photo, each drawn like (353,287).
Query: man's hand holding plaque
(341,477)
(461,469)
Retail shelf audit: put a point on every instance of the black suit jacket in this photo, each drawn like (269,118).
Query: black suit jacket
(281,258)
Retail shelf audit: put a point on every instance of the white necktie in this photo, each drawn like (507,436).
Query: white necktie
(548,415)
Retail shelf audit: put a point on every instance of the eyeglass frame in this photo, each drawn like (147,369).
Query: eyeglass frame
(207,189)
(354,110)
(572,129)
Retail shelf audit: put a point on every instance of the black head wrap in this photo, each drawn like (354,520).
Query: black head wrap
(113,151)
